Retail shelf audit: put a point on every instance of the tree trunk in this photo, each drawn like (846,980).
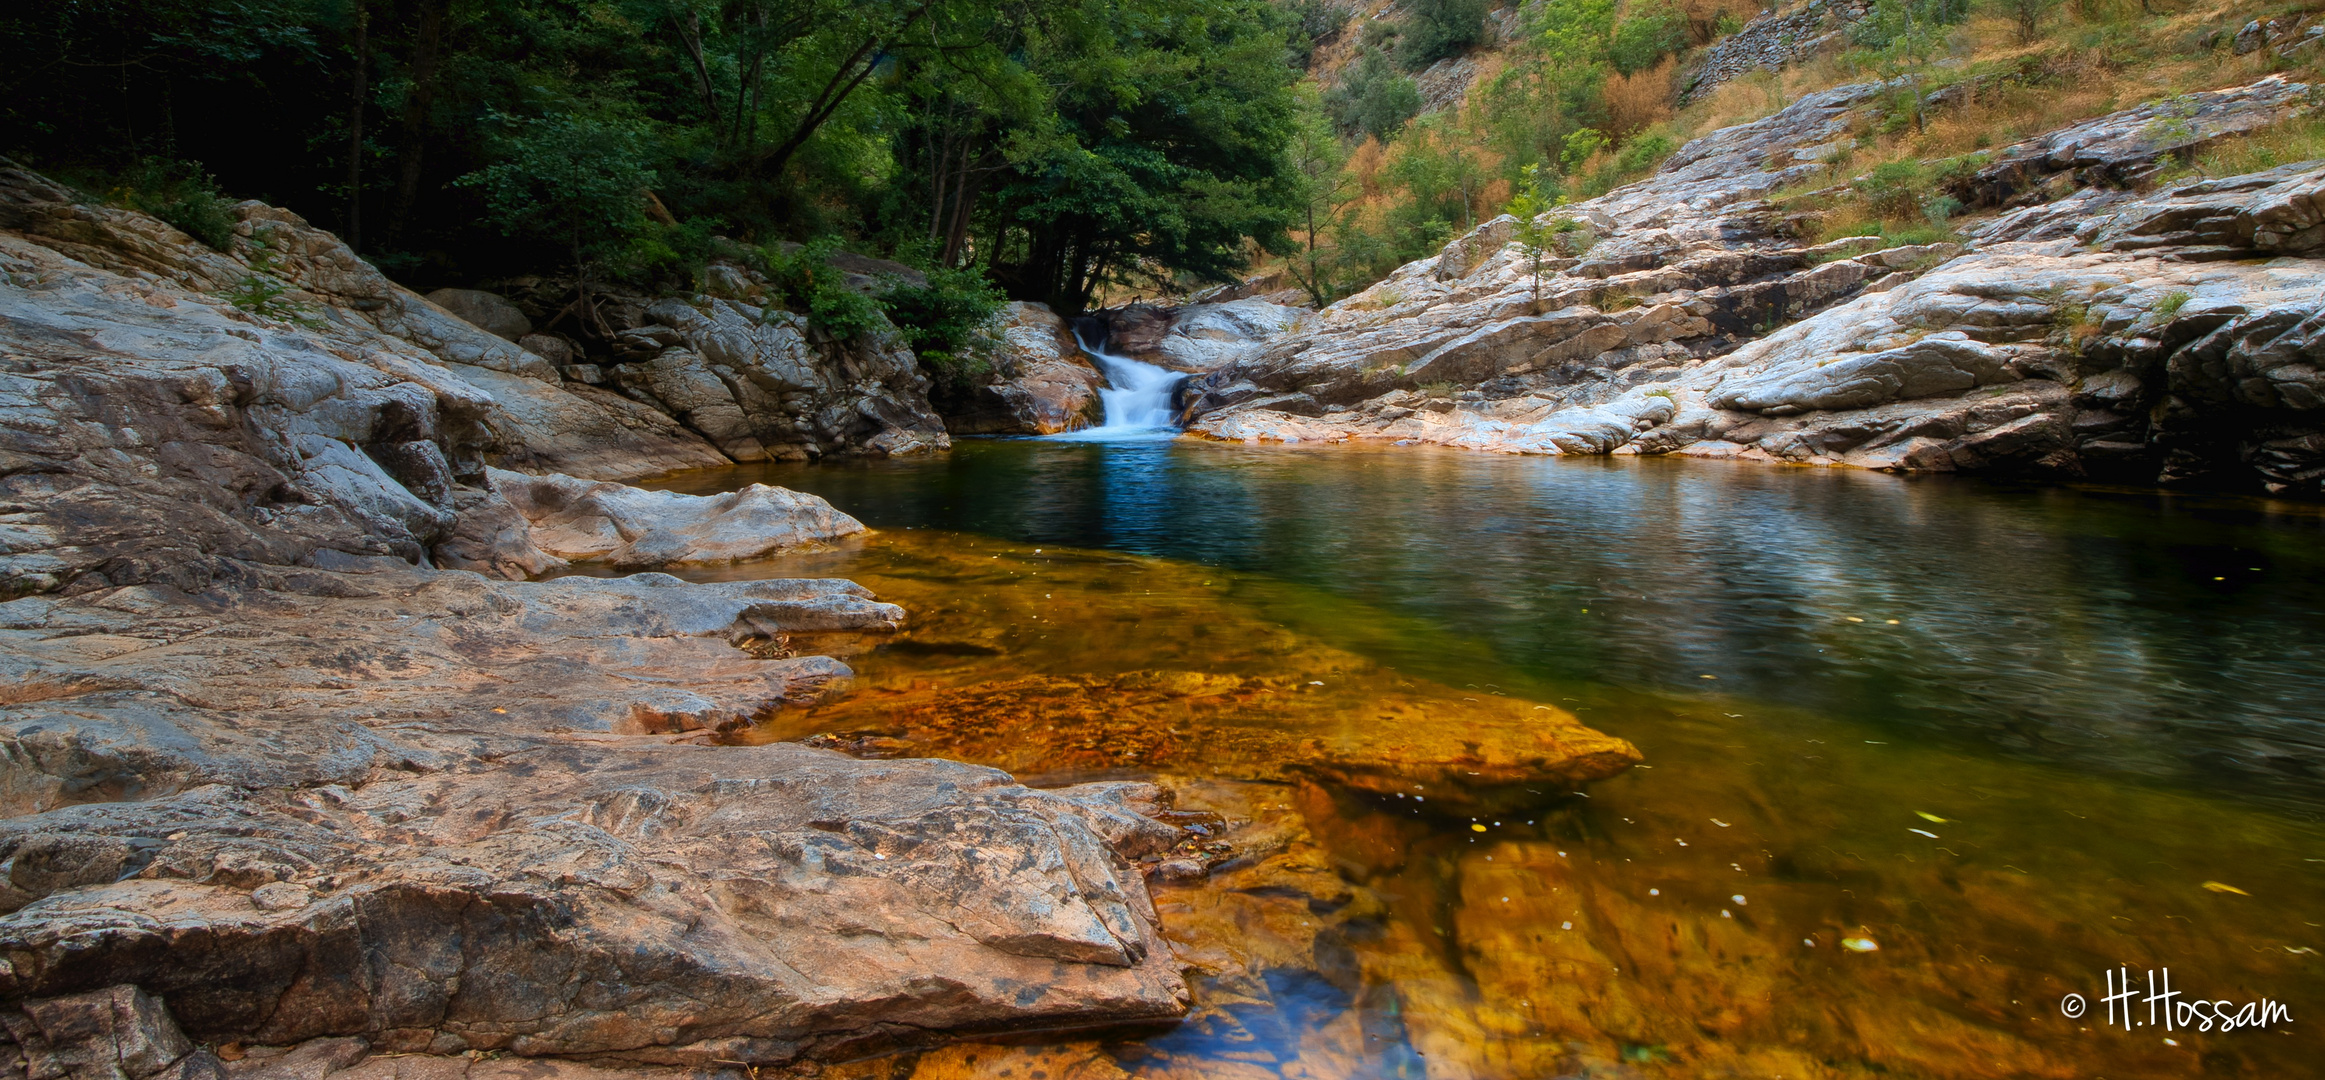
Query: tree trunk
(851,74)
(412,142)
(355,126)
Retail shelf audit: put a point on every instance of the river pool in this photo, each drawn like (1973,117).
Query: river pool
(1922,757)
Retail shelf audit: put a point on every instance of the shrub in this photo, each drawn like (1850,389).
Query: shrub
(1644,39)
(182,194)
(1372,99)
(1907,23)
(1580,145)
(1893,189)
(1317,21)
(805,282)
(1437,29)
(944,320)
(1643,152)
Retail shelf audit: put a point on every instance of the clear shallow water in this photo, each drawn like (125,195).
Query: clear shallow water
(2090,704)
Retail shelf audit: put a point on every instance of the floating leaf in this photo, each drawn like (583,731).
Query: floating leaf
(2215,886)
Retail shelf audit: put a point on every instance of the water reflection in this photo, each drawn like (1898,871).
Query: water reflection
(2120,632)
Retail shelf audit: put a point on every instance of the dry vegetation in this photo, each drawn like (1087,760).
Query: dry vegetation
(1442,173)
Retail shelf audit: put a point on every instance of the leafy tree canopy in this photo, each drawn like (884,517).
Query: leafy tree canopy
(1051,145)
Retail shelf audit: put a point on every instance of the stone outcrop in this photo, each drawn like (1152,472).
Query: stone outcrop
(2162,337)
(487,312)
(2127,148)
(622,527)
(1771,40)
(758,385)
(117,1033)
(1200,337)
(1039,382)
(1207,336)
(262,756)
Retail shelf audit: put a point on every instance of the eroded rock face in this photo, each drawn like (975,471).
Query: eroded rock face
(2156,338)
(117,1033)
(1207,336)
(751,381)
(1040,382)
(677,904)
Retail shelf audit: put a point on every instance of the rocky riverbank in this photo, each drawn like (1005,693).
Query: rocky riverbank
(2085,330)
(292,752)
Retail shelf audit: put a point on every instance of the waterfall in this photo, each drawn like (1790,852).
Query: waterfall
(1137,397)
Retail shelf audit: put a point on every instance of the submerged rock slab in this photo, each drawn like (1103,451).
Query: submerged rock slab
(1461,755)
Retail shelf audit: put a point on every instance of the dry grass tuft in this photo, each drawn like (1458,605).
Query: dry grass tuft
(1637,100)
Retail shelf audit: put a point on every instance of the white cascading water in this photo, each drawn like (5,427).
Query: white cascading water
(1137,397)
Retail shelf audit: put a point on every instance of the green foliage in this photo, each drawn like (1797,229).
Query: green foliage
(2299,139)
(1893,189)
(1059,143)
(1909,25)
(1644,151)
(1579,147)
(2028,15)
(1322,188)
(2169,307)
(1646,37)
(181,193)
(1372,98)
(1436,29)
(944,320)
(665,253)
(575,181)
(805,281)
(1316,22)
(260,292)
(2171,122)
(1533,235)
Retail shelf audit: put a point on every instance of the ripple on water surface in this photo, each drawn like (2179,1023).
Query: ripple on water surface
(1964,749)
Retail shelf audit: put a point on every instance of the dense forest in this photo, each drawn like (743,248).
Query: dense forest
(1055,150)
(1056,144)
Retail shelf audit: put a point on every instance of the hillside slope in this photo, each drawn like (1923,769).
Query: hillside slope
(2090,331)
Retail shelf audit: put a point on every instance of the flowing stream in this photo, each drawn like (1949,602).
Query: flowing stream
(1137,398)
(1922,756)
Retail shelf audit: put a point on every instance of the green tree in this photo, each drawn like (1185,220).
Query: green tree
(1646,37)
(575,181)
(1372,98)
(1322,188)
(1162,155)
(1534,236)
(1436,29)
